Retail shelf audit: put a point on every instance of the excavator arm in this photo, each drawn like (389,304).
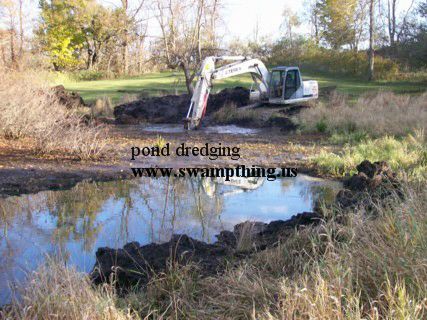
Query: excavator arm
(208,72)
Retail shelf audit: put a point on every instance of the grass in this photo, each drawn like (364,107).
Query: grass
(173,82)
(355,87)
(155,83)
(409,153)
(374,115)
(351,266)
(58,292)
(230,114)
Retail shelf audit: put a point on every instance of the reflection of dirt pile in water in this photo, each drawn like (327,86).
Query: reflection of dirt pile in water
(173,108)
(134,263)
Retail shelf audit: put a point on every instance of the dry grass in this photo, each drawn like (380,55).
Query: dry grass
(58,292)
(382,113)
(29,109)
(102,108)
(230,114)
(353,266)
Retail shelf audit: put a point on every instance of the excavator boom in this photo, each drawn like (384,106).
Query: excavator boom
(208,72)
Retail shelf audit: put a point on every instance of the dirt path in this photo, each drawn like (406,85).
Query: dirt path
(23,171)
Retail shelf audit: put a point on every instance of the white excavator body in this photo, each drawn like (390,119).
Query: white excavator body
(283,85)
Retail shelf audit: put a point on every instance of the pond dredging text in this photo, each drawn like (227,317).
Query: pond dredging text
(211,152)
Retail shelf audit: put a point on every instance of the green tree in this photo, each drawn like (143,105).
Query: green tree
(77,32)
(338,21)
(59,34)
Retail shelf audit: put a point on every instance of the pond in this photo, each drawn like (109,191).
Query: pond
(72,224)
(178,128)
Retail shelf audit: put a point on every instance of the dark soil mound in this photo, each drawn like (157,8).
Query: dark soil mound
(71,100)
(376,178)
(134,263)
(172,108)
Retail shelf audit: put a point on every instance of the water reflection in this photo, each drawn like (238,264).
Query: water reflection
(74,223)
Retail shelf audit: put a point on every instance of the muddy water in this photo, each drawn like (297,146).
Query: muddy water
(178,128)
(72,224)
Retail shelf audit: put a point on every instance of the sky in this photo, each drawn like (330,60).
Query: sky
(242,16)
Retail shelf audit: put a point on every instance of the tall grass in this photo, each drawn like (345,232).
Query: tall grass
(409,153)
(29,109)
(58,292)
(379,114)
(352,266)
(230,114)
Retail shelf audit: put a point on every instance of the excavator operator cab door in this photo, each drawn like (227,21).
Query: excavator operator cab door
(276,86)
(285,86)
(292,84)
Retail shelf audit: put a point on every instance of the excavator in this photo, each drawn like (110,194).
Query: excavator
(282,86)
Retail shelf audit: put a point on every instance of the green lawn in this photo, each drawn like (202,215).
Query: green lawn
(173,82)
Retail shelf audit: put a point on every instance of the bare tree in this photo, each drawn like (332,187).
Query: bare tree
(12,17)
(312,17)
(130,17)
(393,25)
(185,33)
(391,20)
(371,39)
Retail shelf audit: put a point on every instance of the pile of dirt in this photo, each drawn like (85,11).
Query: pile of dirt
(134,264)
(71,100)
(376,178)
(173,108)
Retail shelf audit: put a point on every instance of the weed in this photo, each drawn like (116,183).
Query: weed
(28,109)
(376,115)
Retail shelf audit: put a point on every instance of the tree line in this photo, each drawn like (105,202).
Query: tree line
(72,35)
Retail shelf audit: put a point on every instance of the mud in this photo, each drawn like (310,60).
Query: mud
(135,264)
(72,100)
(173,108)
(376,179)
(22,170)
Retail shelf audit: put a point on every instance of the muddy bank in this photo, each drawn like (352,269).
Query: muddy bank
(173,108)
(24,171)
(134,264)
(17,181)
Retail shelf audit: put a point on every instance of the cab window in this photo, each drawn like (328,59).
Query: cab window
(292,83)
(276,87)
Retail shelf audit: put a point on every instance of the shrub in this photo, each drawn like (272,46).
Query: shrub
(29,109)
(90,75)
(382,113)
(308,55)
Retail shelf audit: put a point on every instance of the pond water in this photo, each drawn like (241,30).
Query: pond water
(177,128)
(72,224)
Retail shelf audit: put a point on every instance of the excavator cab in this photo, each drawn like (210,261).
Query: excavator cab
(285,86)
